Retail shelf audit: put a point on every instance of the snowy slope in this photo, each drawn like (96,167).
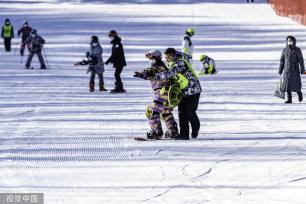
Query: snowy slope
(77,147)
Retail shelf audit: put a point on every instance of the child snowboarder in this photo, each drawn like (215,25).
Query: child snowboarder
(95,62)
(158,107)
(208,65)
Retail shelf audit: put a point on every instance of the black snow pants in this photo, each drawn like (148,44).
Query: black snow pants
(7,44)
(187,114)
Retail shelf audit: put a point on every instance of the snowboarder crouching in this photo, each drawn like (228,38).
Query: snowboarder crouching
(208,65)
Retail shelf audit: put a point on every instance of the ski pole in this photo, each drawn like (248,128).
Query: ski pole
(46,57)
(21,59)
(16,47)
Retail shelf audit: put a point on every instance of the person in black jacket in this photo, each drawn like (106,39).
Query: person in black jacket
(291,67)
(35,43)
(25,33)
(117,59)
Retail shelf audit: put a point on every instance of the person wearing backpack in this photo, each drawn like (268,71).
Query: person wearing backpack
(35,44)
(180,70)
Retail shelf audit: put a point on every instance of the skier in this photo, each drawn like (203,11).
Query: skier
(7,33)
(117,58)
(95,62)
(208,65)
(158,107)
(248,1)
(35,43)
(187,46)
(291,66)
(183,72)
(25,33)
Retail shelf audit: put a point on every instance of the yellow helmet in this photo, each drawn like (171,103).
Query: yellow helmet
(190,31)
(202,57)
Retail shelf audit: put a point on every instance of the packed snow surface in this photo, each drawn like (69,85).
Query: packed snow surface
(77,147)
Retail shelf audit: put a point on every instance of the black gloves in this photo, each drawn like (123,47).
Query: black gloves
(87,54)
(150,72)
(93,61)
(139,75)
(146,74)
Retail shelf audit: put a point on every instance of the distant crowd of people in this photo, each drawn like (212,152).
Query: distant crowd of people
(29,39)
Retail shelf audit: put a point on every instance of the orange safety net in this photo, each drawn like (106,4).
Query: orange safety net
(295,9)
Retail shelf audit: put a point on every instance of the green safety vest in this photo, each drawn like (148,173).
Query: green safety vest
(7,31)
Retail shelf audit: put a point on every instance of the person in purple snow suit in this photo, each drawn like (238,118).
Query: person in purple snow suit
(158,108)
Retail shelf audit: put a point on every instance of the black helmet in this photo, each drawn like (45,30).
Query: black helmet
(34,32)
(169,51)
(94,39)
(25,23)
(112,33)
(7,21)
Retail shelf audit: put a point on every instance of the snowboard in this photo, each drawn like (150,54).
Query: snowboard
(146,139)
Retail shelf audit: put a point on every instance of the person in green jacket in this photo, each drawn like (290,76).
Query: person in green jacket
(7,33)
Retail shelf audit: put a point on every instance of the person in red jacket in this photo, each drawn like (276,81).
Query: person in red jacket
(25,33)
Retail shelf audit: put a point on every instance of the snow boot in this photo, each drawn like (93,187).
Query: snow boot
(152,135)
(171,134)
(300,96)
(118,90)
(91,87)
(194,135)
(101,87)
(289,100)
